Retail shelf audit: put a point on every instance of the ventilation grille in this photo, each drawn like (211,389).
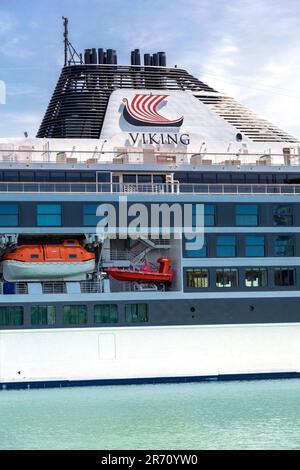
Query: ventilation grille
(244,120)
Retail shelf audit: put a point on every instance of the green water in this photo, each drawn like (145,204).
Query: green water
(232,415)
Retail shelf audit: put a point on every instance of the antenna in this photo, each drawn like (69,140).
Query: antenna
(71,55)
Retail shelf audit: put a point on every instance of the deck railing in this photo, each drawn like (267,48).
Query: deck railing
(155,188)
(57,287)
(15,154)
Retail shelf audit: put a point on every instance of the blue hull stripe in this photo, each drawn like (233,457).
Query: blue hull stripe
(152,380)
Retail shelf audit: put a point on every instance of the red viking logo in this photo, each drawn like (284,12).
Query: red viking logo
(142,111)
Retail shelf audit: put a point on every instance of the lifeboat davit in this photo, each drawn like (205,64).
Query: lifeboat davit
(145,273)
(66,261)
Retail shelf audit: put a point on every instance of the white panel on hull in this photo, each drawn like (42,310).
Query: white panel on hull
(107,346)
(138,352)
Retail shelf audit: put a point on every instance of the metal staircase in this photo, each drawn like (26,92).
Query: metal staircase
(135,256)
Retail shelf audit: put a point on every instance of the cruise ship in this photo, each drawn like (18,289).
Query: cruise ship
(83,301)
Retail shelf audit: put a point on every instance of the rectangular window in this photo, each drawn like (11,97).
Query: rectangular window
(283,216)
(42,315)
(246,215)
(89,215)
(284,277)
(256,277)
(254,245)
(283,246)
(49,215)
(197,253)
(136,313)
(11,316)
(197,278)
(226,277)
(226,245)
(74,314)
(209,214)
(106,313)
(9,215)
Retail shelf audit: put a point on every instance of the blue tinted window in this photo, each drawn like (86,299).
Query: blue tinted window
(49,215)
(255,245)
(283,215)
(284,246)
(197,253)
(246,215)
(226,246)
(89,214)
(9,215)
(209,215)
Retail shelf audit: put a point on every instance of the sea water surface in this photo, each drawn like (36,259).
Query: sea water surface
(228,415)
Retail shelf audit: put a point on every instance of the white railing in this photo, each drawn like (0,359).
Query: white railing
(21,154)
(60,287)
(155,188)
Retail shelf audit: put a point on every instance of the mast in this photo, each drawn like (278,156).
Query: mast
(71,56)
(66,39)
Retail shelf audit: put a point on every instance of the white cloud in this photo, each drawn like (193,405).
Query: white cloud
(255,59)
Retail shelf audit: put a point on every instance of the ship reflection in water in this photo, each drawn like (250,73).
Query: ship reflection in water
(232,415)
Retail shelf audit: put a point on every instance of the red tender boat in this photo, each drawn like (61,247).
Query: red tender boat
(145,274)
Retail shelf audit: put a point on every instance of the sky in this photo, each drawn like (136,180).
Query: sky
(248,49)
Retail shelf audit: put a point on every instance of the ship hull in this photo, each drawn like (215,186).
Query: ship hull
(83,356)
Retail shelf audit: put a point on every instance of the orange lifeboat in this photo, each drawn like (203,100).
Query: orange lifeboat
(68,260)
(145,273)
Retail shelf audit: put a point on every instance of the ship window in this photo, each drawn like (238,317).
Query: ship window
(194,177)
(27,176)
(10,176)
(251,178)
(106,313)
(42,176)
(58,176)
(72,255)
(254,245)
(89,215)
(74,314)
(209,214)
(144,178)
(48,215)
(88,176)
(103,177)
(197,278)
(11,316)
(34,256)
(238,178)
(226,277)
(224,178)
(42,315)
(158,179)
(246,215)
(181,177)
(283,216)
(284,277)
(9,215)
(136,313)
(73,176)
(197,252)
(226,245)
(129,178)
(284,246)
(209,177)
(256,277)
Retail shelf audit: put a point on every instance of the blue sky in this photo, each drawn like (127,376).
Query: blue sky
(248,49)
